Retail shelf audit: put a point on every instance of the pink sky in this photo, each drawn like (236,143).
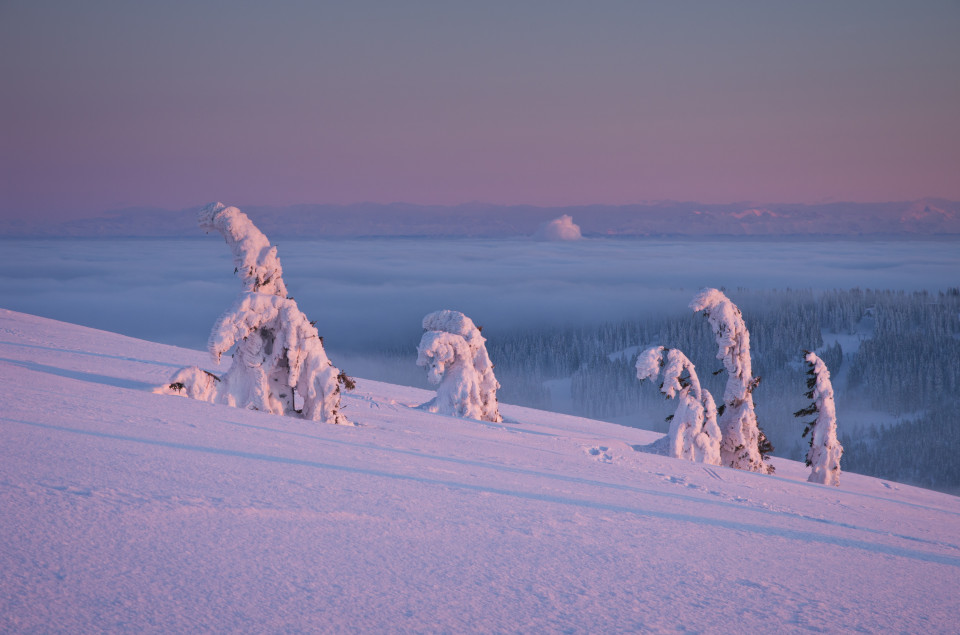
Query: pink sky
(108,105)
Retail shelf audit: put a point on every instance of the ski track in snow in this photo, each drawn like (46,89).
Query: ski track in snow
(129,511)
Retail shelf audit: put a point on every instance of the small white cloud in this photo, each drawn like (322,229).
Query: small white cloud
(562,228)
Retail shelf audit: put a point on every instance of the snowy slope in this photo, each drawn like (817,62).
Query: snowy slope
(125,511)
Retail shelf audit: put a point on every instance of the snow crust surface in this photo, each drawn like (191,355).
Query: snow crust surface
(127,511)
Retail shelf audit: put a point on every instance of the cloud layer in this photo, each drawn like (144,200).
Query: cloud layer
(367,294)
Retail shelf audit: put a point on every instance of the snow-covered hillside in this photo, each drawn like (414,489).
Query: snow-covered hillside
(126,511)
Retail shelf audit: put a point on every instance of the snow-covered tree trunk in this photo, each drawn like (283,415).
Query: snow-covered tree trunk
(743,442)
(694,434)
(455,355)
(278,351)
(825,450)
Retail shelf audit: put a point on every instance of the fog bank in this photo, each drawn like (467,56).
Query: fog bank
(372,293)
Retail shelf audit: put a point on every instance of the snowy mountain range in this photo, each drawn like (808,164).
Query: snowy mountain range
(925,217)
(124,510)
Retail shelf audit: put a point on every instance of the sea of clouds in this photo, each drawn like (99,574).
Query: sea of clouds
(367,294)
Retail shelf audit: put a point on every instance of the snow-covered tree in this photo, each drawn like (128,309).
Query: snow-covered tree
(694,434)
(744,446)
(825,450)
(279,353)
(453,351)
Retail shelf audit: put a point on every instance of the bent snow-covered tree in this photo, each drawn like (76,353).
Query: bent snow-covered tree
(825,450)
(279,354)
(744,446)
(453,351)
(694,434)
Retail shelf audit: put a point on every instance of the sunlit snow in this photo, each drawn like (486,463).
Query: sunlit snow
(123,510)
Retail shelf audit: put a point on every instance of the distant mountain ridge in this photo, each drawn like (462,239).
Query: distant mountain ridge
(924,217)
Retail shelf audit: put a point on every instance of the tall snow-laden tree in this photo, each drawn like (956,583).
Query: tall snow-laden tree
(825,450)
(279,353)
(694,434)
(744,446)
(453,351)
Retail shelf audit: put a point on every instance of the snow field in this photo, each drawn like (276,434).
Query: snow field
(128,511)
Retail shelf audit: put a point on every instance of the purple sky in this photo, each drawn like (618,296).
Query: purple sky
(173,104)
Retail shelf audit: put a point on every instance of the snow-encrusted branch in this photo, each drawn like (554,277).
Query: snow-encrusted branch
(455,355)
(279,353)
(744,444)
(255,259)
(694,434)
(825,450)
